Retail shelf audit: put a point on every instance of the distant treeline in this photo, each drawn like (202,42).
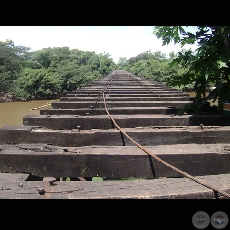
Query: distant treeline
(50,72)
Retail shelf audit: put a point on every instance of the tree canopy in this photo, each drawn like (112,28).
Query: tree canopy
(11,60)
(50,72)
(208,65)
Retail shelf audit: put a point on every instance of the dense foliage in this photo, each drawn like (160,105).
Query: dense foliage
(155,66)
(49,72)
(208,66)
(11,60)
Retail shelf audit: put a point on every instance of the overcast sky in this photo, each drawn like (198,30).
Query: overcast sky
(118,41)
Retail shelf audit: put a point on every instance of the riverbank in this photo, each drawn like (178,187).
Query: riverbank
(6,97)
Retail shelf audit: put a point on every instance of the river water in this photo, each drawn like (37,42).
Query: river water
(12,113)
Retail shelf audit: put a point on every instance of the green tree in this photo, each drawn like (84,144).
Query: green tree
(11,61)
(121,62)
(106,64)
(208,65)
(172,54)
(155,70)
(52,71)
(49,72)
(37,84)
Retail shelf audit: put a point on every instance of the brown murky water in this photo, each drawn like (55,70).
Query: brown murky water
(12,113)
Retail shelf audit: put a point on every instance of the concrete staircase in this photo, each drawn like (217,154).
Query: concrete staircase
(77,139)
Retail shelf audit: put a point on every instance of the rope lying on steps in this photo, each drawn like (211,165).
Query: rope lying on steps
(215,190)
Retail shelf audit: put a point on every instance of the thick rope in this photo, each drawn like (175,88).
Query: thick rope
(157,158)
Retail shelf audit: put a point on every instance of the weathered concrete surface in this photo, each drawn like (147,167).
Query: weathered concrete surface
(112,111)
(111,162)
(127,99)
(87,122)
(125,94)
(100,104)
(165,188)
(112,137)
(13,177)
(120,92)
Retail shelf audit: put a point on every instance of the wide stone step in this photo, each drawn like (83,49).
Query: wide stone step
(164,188)
(127,99)
(130,91)
(113,137)
(114,104)
(86,122)
(113,111)
(111,162)
(127,88)
(93,94)
(125,82)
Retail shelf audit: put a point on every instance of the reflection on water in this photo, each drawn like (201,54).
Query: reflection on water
(12,113)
